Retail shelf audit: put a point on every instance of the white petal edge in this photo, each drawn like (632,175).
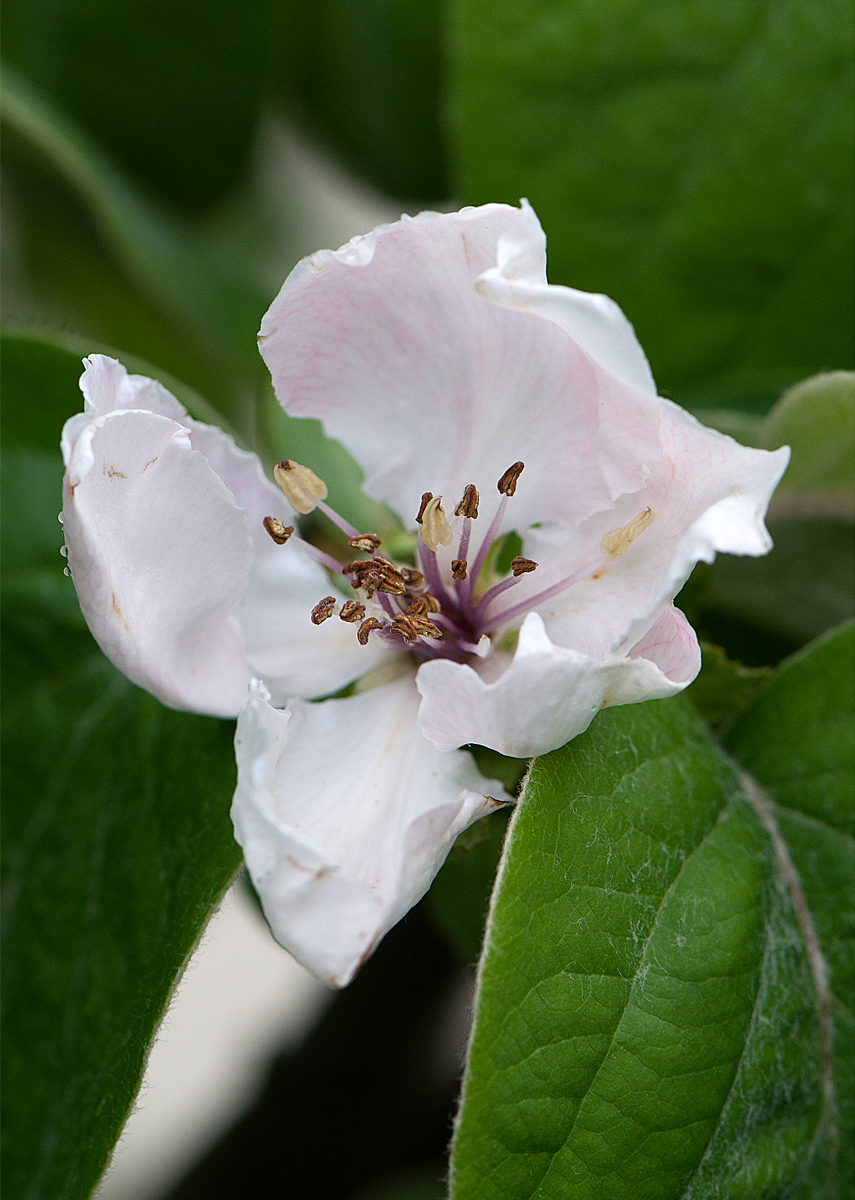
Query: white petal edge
(345,813)
(595,322)
(546,696)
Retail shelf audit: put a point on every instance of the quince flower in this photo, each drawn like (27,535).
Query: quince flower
(560,505)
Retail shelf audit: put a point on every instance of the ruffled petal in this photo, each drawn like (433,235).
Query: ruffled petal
(345,814)
(160,554)
(545,697)
(595,322)
(432,387)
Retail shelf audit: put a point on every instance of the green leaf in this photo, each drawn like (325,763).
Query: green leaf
(171,91)
(723,687)
(816,418)
(796,739)
(647,1017)
(117,843)
(691,160)
(368,77)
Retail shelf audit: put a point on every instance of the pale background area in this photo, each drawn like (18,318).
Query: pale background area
(242,998)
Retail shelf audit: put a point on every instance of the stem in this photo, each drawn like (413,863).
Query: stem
(326,560)
(485,548)
(344,526)
(509,614)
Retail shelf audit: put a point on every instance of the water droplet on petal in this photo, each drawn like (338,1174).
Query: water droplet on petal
(64,551)
(66,571)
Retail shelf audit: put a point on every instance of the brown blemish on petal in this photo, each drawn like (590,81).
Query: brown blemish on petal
(118,611)
(112,473)
(150,463)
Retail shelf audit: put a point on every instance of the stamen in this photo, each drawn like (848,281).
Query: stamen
(418,608)
(413,579)
(507,485)
(433,604)
(458,568)
(424,627)
(487,544)
(323,610)
(364,541)
(435,530)
(522,566)
(426,499)
(618,541)
(352,611)
(279,532)
(302,487)
(366,628)
(518,610)
(468,506)
(326,560)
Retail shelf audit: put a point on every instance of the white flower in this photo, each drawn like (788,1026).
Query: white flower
(463,384)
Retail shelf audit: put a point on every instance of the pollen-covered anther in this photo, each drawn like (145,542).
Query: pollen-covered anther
(424,627)
(366,628)
(507,485)
(458,568)
(352,611)
(522,566)
(364,541)
(435,530)
(433,604)
(413,579)
(279,532)
(617,541)
(323,610)
(468,506)
(302,487)
(405,627)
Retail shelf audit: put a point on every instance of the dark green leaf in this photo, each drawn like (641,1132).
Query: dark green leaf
(172,91)
(691,160)
(724,687)
(368,75)
(647,1021)
(460,894)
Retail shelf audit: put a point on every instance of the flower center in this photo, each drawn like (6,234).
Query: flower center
(434,615)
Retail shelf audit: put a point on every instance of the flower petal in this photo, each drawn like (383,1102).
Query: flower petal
(345,814)
(595,322)
(431,387)
(546,696)
(160,555)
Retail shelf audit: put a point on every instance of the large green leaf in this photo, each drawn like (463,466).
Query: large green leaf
(648,1021)
(689,158)
(172,91)
(117,844)
(368,75)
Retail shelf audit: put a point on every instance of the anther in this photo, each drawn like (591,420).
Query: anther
(433,604)
(468,506)
(418,608)
(365,541)
(435,530)
(323,610)
(425,628)
(392,585)
(413,579)
(366,628)
(352,611)
(507,485)
(426,499)
(279,532)
(404,626)
(522,566)
(617,541)
(356,566)
(302,487)
(458,568)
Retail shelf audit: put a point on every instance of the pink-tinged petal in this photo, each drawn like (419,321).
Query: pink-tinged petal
(107,387)
(345,814)
(432,387)
(596,323)
(545,697)
(160,554)
(672,645)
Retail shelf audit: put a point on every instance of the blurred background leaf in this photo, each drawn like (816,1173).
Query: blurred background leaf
(367,77)
(690,159)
